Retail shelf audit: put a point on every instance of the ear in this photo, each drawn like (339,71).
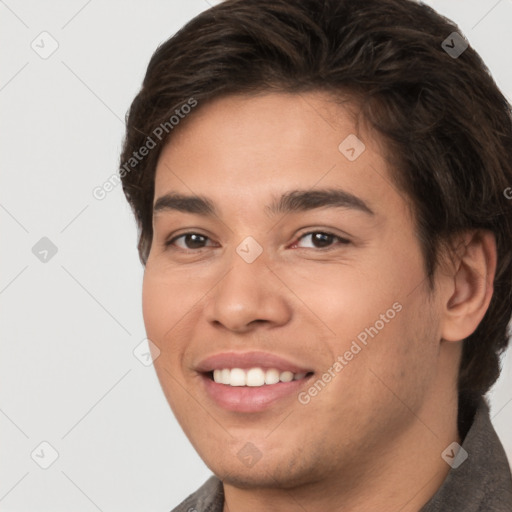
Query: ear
(470,289)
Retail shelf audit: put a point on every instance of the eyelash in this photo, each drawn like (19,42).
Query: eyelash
(341,240)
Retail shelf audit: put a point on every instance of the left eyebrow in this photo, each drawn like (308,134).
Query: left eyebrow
(303,200)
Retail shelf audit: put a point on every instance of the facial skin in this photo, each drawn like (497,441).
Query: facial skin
(372,438)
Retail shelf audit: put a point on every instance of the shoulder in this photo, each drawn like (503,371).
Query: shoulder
(208,498)
(482,482)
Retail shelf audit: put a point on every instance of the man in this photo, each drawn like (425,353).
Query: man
(319,190)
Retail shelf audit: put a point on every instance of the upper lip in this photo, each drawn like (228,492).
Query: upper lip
(246,360)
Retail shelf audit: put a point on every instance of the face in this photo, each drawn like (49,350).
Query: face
(282,250)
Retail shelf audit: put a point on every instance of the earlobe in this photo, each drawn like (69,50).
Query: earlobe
(472,285)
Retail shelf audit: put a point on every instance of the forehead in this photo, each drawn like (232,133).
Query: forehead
(253,147)
(244,123)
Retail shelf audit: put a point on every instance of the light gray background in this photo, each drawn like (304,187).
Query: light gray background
(69,326)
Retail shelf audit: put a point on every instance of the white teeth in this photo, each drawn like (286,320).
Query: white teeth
(286,377)
(253,377)
(237,377)
(225,376)
(271,376)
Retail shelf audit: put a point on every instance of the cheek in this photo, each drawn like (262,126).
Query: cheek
(385,324)
(154,303)
(402,358)
(164,319)
(162,309)
(167,295)
(171,307)
(347,299)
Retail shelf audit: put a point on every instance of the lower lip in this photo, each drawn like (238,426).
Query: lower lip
(251,399)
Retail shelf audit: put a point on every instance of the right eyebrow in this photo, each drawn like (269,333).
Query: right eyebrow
(188,204)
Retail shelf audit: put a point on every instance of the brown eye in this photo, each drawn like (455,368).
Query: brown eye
(322,239)
(188,241)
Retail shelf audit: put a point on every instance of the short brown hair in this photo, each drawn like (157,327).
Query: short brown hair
(449,126)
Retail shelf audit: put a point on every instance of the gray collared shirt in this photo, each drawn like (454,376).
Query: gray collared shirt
(482,483)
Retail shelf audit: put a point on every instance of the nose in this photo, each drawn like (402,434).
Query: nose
(249,295)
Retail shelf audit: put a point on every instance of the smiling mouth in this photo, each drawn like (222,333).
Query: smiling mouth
(254,377)
(252,381)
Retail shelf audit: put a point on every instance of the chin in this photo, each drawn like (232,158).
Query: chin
(274,472)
